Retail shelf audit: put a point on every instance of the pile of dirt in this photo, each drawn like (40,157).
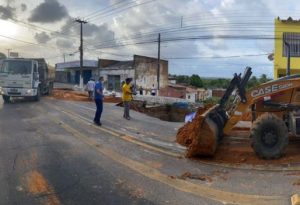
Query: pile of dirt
(189,136)
(67,94)
(236,149)
(63,94)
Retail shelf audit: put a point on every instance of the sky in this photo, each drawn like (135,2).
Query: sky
(211,38)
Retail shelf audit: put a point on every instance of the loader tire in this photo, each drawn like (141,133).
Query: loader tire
(269,136)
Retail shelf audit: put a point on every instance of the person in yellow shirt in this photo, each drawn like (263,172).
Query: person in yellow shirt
(127,97)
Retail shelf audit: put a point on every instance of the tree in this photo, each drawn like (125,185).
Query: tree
(2,56)
(252,82)
(263,78)
(183,79)
(196,81)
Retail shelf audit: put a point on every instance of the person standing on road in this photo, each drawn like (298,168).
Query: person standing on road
(127,97)
(98,96)
(90,87)
(153,91)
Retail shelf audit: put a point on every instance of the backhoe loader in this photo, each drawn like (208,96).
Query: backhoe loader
(275,114)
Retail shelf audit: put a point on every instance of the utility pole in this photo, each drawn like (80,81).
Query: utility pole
(181,21)
(8,52)
(158,62)
(288,69)
(81,51)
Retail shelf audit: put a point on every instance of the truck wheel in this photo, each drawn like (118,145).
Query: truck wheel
(269,136)
(6,98)
(38,95)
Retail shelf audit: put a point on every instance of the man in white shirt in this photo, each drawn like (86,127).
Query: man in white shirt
(90,87)
(153,90)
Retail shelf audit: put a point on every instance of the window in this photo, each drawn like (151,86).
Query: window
(35,68)
(16,67)
(293,39)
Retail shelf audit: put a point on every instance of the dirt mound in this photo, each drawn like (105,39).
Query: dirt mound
(234,151)
(67,94)
(188,135)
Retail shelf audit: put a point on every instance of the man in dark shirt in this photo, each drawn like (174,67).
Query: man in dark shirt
(98,96)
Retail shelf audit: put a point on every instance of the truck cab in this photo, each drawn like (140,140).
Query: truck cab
(19,78)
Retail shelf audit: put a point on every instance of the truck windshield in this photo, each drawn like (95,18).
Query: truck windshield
(16,67)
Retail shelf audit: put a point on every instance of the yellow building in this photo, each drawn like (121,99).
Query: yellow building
(286,31)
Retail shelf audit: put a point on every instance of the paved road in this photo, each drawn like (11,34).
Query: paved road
(52,154)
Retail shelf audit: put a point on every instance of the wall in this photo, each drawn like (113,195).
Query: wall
(191,97)
(173,92)
(124,73)
(218,92)
(102,63)
(61,76)
(146,72)
(280,62)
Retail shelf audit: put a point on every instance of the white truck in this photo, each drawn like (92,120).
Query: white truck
(28,78)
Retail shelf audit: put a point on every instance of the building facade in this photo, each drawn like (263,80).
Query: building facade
(69,72)
(142,69)
(146,72)
(115,72)
(287,34)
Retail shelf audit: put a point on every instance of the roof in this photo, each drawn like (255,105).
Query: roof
(191,90)
(76,64)
(176,86)
(121,65)
(288,20)
(139,57)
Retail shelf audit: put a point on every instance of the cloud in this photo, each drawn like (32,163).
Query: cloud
(65,43)
(42,37)
(48,12)
(93,34)
(7,12)
(23,7)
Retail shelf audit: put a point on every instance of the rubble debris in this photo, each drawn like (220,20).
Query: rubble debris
(189,175)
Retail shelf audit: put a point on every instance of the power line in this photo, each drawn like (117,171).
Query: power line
(119,10)
(103,9)
(231,56)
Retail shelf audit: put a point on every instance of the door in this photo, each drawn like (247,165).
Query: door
(113,82)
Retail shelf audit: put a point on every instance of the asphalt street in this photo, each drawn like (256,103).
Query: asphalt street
(52,154)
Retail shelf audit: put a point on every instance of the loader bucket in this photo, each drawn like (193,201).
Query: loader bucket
(207,134)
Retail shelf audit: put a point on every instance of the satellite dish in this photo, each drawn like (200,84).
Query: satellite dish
(271,56)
